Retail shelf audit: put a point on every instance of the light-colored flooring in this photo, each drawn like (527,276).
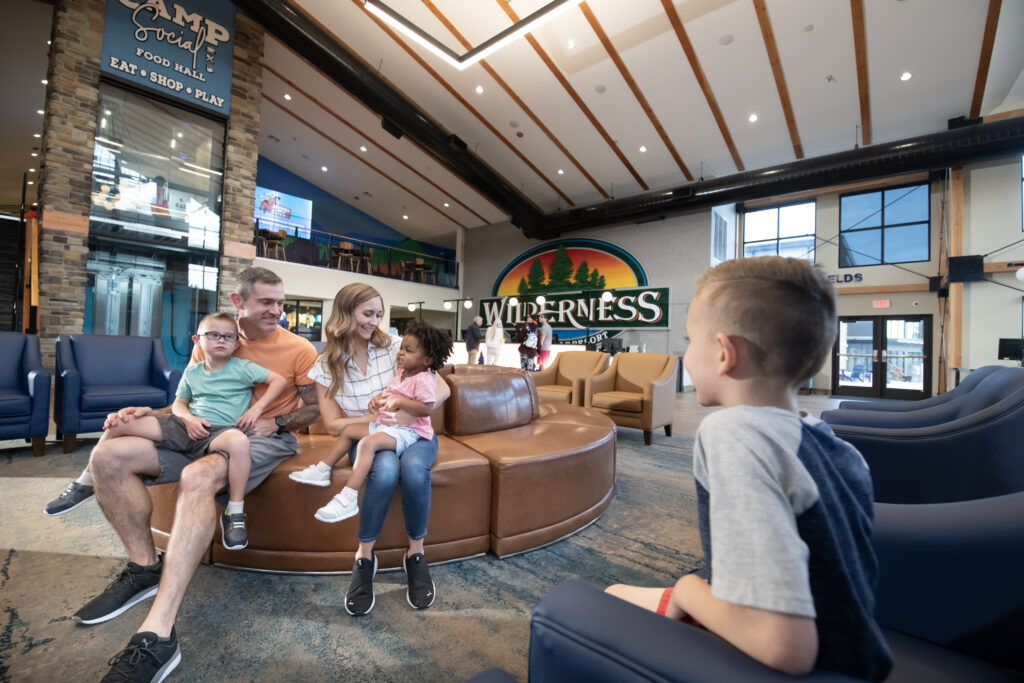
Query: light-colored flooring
(688,413)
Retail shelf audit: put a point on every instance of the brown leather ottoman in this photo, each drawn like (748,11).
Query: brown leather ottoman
(284,536)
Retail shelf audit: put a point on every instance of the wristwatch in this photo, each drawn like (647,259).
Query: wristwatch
(281,423)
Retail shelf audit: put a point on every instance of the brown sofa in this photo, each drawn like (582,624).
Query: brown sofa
(563,379)
(512,474)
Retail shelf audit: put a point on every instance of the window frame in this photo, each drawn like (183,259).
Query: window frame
(882,227)
(742,245)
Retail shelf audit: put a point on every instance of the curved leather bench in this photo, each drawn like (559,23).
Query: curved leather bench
(512,474)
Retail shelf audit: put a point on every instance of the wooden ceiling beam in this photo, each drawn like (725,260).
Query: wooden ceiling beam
(357,157)
(780,77)
(462,100)
(861,54)
(702,80)
(985,59)
(631,82)
(515,97)
(557,73)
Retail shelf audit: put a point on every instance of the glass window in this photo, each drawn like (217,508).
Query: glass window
(884,226)
(786,231)
(154,222)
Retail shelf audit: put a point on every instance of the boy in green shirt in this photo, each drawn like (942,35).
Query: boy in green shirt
(212,412)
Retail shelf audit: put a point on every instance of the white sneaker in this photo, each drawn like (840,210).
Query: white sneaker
(312,476)
(337,509)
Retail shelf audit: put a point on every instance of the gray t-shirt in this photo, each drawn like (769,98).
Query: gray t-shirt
(545,333)
(785,510)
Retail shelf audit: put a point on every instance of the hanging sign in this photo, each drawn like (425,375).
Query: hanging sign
(590,290)
(180,49)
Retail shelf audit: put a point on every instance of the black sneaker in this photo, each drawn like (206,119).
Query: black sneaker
(420,593)
(360,598)
(134,585)
(147,659)
(232,531)
(74,495)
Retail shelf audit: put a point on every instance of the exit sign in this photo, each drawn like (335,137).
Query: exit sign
(881,303)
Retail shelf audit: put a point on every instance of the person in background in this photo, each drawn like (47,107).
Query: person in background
(494,339)
(545,336)
(527,338)
(785,508)
(473,339)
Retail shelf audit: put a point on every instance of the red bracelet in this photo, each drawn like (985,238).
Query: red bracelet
(663,604)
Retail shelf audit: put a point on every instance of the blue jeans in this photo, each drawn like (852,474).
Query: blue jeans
(413,470)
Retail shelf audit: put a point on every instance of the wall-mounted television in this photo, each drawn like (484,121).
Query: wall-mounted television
(1011,349)
(276,211)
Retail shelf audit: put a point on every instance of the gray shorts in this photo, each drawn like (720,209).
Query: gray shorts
(176,437)
(265,453)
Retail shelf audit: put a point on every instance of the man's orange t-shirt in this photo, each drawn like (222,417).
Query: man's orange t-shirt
(287,354)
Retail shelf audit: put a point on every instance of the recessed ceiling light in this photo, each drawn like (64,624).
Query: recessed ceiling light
(643,148)
(31,182)
(725,39)
(44,81)
(561,172)
(446,205)
(40,111)
(324,169)
(48,42)
(479,90)
(362,148)
(36,135)
(752,118)
(35,154)
(600,89)
(288,97)
(513,124)
(809,28)
(570,44)
(405,217)
(31,170)
(906,76)
(179,135)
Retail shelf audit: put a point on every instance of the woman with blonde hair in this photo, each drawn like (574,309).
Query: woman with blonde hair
(494,339)
(357,364)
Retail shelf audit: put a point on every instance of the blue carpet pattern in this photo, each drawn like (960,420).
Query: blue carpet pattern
(245,626)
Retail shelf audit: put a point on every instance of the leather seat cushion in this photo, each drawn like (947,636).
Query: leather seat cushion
(555,392)
(14,403)
(116,396)
(626,401)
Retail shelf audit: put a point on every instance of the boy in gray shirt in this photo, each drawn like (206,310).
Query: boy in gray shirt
(784,506)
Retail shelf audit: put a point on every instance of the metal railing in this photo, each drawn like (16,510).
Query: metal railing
(340,252)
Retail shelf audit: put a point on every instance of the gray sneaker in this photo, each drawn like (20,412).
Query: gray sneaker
(74,495)
(232,531)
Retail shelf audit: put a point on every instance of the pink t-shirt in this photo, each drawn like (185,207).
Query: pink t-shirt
(420,387)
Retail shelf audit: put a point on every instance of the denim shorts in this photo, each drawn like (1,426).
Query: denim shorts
(403,436)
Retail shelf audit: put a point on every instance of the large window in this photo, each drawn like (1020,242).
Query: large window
(782,230)
(884,226)
(154,223)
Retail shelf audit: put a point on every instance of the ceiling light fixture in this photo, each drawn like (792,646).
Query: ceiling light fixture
(752,118)
(571,44)
(479,90)
(324,169)
(446,205)
(288,97)
(561,172)
(40,112)
(447,304)
(31,170)
(362,148)
(35,154)
(405,217)
(643,148)
(906,76)
(44,81)
(481,51)
(36,135)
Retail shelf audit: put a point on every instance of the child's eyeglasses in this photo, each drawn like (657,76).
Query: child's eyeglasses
(230,337)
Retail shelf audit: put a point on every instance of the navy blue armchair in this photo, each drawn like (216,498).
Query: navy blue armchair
(963,449)
(891,406)
(24,390)
(99,374)
(950,602)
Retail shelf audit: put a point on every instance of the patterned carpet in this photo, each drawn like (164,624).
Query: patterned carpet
(243,626)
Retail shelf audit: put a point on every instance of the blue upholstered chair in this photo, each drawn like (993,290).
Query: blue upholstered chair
(99,374)
(949,599)
(24,390)
(888,405)
(963,449)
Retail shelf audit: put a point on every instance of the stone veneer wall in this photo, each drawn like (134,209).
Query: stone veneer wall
(65,184)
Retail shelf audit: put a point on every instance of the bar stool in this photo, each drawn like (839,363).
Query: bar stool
(272,243)
(346,252)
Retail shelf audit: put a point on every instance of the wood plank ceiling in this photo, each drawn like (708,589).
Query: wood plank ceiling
(615,98)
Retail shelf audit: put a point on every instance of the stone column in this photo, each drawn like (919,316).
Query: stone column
(241,152)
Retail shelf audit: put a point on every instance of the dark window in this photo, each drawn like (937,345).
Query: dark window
(884,226)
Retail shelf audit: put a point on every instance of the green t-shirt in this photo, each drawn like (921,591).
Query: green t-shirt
(221,397)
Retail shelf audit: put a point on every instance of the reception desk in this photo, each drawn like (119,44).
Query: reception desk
(509,354)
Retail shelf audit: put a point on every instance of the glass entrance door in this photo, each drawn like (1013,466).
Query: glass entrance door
(883,357)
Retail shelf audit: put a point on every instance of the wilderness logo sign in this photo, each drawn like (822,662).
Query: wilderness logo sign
(590,290)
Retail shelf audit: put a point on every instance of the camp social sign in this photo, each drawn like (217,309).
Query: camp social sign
(180,49)
(572,275)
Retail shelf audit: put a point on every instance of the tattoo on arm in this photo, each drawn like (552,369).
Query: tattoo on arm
(306,414)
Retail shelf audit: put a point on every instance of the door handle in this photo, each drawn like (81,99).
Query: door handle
(884,355)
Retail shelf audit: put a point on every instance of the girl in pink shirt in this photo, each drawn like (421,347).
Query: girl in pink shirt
(423,352)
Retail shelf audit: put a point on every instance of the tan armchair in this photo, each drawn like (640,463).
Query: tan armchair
(562,380)
(637,390)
